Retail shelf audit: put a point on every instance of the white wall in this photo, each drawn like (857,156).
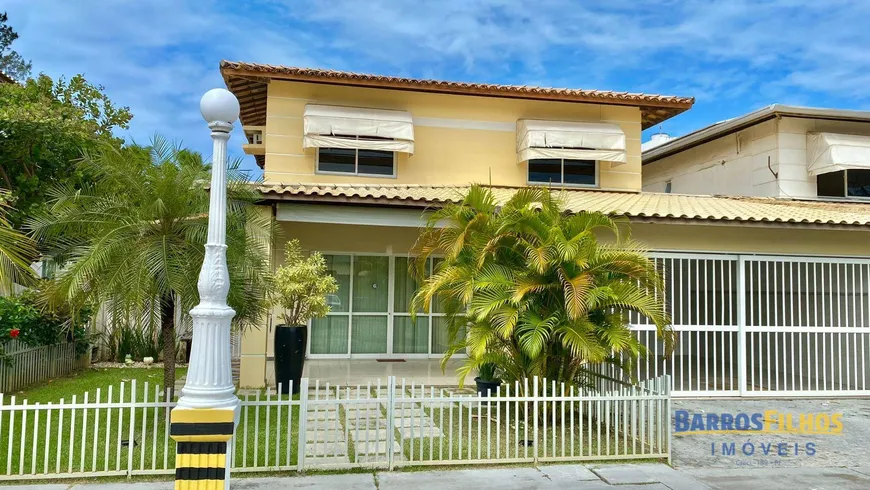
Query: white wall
(793,177)
(735,164)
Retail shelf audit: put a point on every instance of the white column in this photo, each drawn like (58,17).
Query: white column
(209,376)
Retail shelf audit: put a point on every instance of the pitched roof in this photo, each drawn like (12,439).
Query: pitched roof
(4,78)
(729,126)
(643,205)
(249,81)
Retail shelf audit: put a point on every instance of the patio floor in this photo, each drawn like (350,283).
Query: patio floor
(352,372)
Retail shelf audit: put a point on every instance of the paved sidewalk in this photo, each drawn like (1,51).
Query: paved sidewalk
(569,476)
(583,477)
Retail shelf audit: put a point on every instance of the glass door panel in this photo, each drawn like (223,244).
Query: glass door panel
(440,338)
(410,336)
(371,293)
(371,278)
(369,335)
(329,335)
(339,267)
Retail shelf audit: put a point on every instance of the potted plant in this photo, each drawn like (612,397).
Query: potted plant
(486,380)
(302,286)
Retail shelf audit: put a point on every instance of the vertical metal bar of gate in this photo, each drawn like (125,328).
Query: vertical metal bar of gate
(741,325)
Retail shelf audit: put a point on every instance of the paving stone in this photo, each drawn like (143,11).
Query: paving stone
(402,424)
(409,412)
(322,415)
(378,458)
(324,436)
(326,449)
(312,461)
(362,433)
(418,432)
(370,423)
(354,413)
(379,447)
(362,406)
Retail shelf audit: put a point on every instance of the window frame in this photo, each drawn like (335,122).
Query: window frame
(356,171)
(845,196)
(596,185)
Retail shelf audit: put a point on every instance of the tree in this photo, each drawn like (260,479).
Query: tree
(11,63)
(17,252)
(44,127)
(530,289)
(135,237)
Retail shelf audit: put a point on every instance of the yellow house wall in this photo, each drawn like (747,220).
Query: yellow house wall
(257,344)
(458,139)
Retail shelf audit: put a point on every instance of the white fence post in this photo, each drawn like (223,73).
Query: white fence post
(303,423)
(391,413)
(535,438)
(130,442)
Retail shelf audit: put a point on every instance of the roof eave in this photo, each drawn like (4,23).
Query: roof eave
(724,128)
(654,109)
(272,196)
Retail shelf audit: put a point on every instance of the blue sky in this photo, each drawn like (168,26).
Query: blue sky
(733,56)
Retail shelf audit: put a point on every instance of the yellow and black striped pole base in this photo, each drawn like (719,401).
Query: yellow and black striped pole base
(201,453)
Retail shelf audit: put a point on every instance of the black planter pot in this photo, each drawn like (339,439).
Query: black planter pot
(486,388)
(290,345)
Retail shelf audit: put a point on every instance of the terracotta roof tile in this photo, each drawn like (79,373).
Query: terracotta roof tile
(632,205)
(248,81)
(608,95)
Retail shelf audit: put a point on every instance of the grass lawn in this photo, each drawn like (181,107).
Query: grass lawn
(501,430)
(87,440)
(89,380)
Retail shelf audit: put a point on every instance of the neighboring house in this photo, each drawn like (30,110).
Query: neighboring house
(4,78)
(352,162)
(778,151)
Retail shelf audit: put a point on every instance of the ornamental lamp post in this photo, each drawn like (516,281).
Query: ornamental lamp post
(203,421)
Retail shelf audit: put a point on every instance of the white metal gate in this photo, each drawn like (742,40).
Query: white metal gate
(762,326)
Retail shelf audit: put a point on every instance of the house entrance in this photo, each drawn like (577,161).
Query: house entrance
(370,313)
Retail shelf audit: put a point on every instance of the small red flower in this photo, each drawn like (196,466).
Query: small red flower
(14,333)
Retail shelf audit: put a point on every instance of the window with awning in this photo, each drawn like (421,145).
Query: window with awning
(570,140)
(834,152)
(357,128)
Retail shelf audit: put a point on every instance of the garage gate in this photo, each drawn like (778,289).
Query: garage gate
(762,326)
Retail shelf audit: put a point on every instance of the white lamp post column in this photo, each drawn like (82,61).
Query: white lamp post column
(204,419)
(209,376)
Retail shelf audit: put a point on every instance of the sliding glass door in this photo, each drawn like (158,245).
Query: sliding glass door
(370,314)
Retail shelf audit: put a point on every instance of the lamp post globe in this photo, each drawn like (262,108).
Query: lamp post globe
(219,105)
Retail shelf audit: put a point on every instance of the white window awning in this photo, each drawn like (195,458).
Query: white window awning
(832,152)
(569,139)
(353,127)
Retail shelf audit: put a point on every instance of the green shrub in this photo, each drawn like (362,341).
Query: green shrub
(33,324)
(136,340)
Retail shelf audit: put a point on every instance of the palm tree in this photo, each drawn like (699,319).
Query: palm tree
(530,289)
(17,252)
(135,238)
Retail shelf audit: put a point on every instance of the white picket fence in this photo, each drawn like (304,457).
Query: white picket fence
(29,365)
(124,431)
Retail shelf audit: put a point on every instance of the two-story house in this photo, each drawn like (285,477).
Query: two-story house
(352,162)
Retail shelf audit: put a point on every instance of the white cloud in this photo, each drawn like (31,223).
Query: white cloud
(159,56)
